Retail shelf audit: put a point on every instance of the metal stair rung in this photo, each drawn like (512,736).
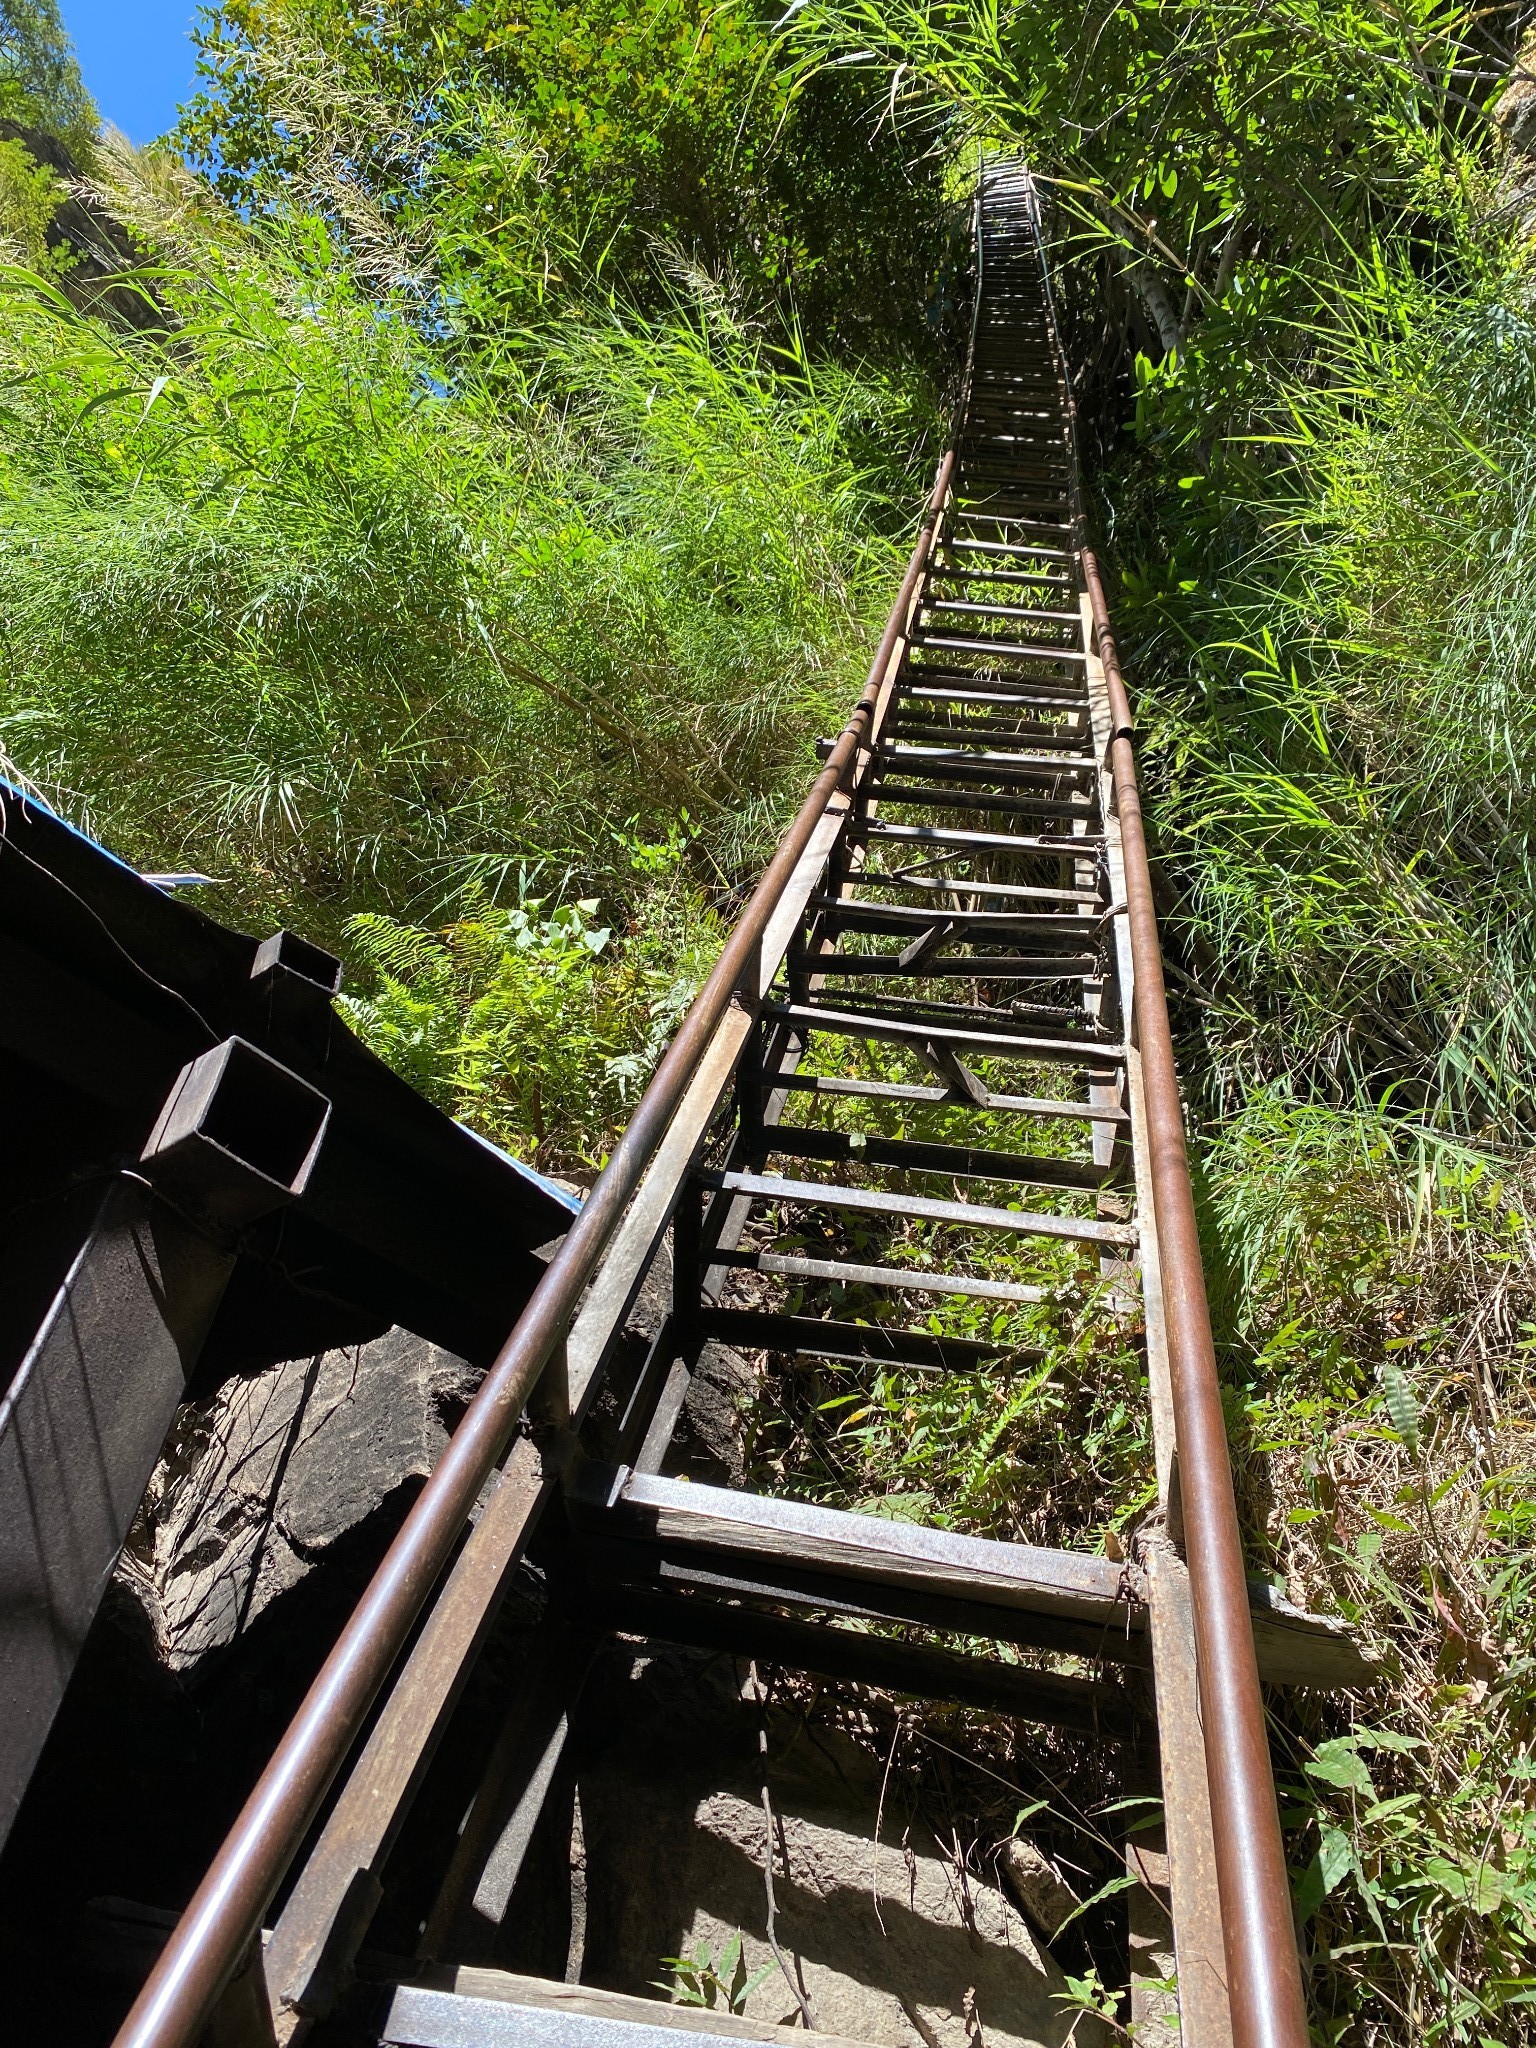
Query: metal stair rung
(1016,442)
(998,519)
(967,967)
(1069,797)
(1089,845)
(998,465)
(517,2012)
(1008,460)
(1093,1706)
(969,546)
(1075,1585)
(922,669)
(1061,792)
(858,913)
(1018,507)
(1005,803)
(748,1329)
(979,732)
(1018,892)
(911,1155)
(841,1022)
(967,693)
(911,1091)
(1002,519)
(1050,579)
(988,1018)
(895,1279)
(977,608)
(911,758)
(768,1187)
(998,650)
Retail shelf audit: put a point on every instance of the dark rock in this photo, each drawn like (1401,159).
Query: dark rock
(714,1411)
(1514,121)
(264,1476)
(101,250)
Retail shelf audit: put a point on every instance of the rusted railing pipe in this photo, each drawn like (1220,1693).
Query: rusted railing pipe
(1258,1935)
(225,1916)
(1264,1990)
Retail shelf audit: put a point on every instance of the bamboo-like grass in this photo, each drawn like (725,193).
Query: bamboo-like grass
(292,597)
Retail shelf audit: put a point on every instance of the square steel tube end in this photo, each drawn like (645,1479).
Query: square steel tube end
(238,1136)
(302,970)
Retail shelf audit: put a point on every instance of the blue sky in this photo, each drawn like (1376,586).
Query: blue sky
(136,59)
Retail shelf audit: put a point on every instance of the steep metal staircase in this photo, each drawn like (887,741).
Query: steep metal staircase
(938,1027)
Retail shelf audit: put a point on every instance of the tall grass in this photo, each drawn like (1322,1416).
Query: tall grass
(1334,620)
(287,601)
(1344,656)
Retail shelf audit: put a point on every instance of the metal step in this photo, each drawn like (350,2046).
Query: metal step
(770,1187)
(474,2008)
(961,1162)
(987,1099)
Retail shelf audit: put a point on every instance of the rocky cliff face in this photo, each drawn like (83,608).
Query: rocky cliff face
(274,1502)
(100,249)
(886,1931)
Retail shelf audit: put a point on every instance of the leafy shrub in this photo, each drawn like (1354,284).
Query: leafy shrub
(536,1024)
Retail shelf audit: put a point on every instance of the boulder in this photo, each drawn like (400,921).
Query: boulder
(1038,1885)
(265,1475)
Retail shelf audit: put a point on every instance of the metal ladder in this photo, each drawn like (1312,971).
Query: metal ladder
(950,938)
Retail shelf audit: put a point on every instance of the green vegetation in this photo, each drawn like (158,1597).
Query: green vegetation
(387,569)
(360,636)
(500,498)
(1308,224)
(553,151)
(40,83)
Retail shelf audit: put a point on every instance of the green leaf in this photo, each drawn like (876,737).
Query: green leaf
(1333,1855)
(1105,1891)
(1321,1875)
(155,390)
(1478,1886)
(1393,1523)
(1401,1406)
(758,1976)
(1340,1763)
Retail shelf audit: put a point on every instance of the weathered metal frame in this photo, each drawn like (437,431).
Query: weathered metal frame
(81,1427)
(550,1367)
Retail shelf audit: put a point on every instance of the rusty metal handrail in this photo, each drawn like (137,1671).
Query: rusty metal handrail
(1264,1986)
(225,1915)
(1258,1934)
